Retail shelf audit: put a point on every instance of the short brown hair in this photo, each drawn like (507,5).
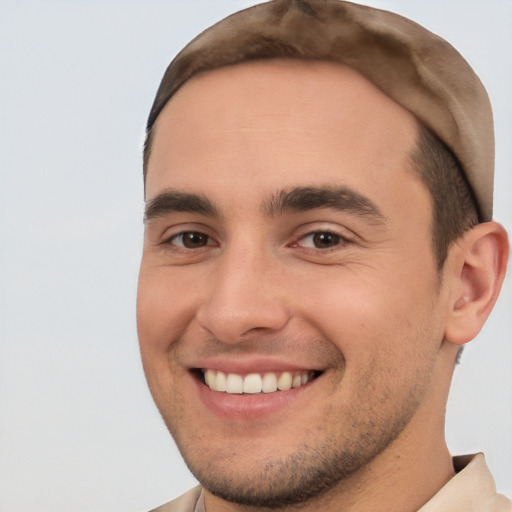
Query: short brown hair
(454,209)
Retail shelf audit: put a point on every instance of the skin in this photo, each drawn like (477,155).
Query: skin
(368,311)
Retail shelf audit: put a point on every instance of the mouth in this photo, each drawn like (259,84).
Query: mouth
(255,383)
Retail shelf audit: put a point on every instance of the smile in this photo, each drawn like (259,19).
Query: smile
(254,383)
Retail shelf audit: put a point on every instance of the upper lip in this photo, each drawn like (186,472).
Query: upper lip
(246,364)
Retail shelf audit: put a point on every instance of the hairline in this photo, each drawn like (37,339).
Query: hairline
(415,165)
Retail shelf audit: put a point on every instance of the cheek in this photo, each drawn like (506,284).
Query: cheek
(158,326)
(164,309)
(364,310)
(388,337)
(156,331)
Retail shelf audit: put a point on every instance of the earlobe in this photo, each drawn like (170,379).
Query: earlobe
(478,270)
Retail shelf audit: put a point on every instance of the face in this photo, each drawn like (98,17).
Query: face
(289,306)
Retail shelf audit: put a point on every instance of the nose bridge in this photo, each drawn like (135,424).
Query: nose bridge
(246,294)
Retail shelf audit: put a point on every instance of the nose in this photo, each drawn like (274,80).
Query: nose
(246,297)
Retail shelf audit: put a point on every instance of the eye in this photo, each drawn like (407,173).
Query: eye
(191,240)
(320,240)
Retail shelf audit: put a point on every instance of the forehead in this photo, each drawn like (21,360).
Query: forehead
(285,119)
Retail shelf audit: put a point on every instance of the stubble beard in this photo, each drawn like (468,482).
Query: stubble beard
(328,460)
(302,477)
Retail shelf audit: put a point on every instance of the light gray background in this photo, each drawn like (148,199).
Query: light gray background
(78,429)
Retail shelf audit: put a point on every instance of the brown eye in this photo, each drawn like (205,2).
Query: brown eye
(191,240)
(324,240)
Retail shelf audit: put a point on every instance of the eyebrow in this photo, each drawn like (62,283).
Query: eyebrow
(297,199)
(171,201)
(343,199)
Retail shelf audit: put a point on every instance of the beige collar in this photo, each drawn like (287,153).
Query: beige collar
(472,489)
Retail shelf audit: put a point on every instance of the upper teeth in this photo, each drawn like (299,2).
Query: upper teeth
(254,382)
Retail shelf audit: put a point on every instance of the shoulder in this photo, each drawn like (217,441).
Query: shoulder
(185,503)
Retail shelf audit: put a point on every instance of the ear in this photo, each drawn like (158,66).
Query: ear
(477,266)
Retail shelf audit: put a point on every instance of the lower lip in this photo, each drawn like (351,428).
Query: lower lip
(244,407)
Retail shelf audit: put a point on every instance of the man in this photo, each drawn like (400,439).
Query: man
(318,248)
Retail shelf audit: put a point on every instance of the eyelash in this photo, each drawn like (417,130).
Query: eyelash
(331,237)
(171,240)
